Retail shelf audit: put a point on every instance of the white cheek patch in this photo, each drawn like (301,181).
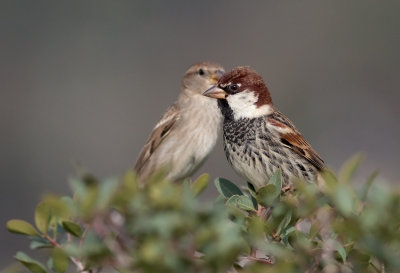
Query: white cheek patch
(243,105)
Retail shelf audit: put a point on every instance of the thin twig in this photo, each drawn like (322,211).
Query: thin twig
(77,262)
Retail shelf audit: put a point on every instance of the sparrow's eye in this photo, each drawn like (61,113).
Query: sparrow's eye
(201,72)
(233,88)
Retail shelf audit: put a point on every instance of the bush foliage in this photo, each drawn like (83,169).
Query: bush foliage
(164,227)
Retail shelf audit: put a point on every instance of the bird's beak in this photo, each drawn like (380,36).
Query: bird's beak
(215,92)
(214,78)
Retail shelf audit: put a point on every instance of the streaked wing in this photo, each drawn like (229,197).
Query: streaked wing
(159,133)
(293,139)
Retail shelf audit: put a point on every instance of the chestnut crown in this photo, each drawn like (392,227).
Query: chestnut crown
(243,78)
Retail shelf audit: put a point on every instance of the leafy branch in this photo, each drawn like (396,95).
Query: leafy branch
(164,227)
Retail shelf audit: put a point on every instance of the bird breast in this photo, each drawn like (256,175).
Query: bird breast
(194,137)
(255,153)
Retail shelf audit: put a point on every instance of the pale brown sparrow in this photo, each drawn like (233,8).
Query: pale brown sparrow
(258,139)
(188,131)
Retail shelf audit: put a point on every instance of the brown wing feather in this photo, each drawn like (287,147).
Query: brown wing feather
(159,133)
(293,139)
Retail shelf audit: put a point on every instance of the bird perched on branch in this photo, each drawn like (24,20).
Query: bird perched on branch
(258,139)
(188,131)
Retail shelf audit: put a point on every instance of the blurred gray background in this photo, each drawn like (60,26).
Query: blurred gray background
(85,81)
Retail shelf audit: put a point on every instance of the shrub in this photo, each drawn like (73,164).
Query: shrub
(164,227)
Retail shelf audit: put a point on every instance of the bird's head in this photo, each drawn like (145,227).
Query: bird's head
(202,76)
(244,91)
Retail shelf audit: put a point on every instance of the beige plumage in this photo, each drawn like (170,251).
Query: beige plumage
(187,132)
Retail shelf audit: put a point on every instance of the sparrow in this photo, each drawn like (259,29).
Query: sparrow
(187,132)
(258,139)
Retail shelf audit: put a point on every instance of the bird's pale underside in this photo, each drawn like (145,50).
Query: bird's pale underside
(187,132)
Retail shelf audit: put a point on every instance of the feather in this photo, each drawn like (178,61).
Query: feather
(157,136)
(293,139)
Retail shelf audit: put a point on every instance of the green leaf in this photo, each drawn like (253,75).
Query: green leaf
(349,167)
(94,245)
(287,231)
(15,267)
(267,195)
(105,193)
(365,189)
(344,200)
(251,189)
(21,227)
(72,228)
(342,252)
(220,200)
(256,227)
(254,201)
(232,201)
(226,188)
(244,202)
(42,217)
(330,179)
(129,182)
(276,180)
(200,184)
(126,190)
(314,229)
(85,194)
(33,265)
(51,211)
(285,222)
(60,260)
(78,187)
(38,242)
